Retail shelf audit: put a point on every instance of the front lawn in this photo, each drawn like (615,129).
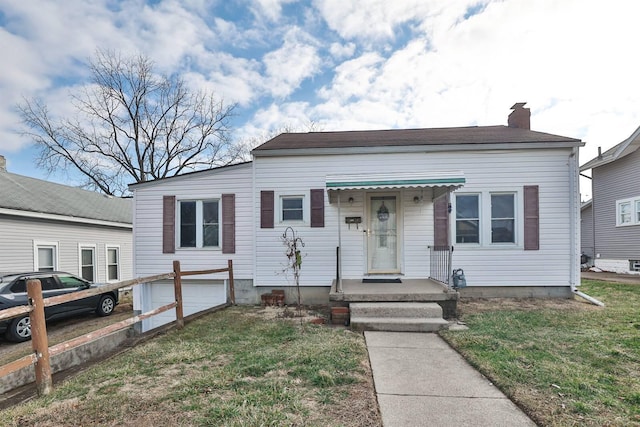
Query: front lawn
(565,364)
(231,368)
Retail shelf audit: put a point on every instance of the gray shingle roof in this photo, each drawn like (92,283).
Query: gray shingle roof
(35,195)
(405,137)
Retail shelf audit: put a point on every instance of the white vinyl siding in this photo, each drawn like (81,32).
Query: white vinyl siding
(206,185)
(20,234)
(484,171)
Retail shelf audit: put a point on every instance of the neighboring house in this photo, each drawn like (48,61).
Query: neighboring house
(586,233)
(382,205)
(46,226)
(615,206)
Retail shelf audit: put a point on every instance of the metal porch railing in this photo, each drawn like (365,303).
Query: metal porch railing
(440,263)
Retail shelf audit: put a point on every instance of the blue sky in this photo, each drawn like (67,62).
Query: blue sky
(342,64)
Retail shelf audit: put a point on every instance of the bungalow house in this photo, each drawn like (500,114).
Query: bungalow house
(384,216)
(46,226)
(615,207)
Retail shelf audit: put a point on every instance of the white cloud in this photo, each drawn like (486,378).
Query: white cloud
(296,60)
(270,9)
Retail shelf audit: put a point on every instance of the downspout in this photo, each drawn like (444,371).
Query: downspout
(339,284)
(574,190)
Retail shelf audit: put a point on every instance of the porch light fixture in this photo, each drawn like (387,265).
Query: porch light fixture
(350,200)
(416,200)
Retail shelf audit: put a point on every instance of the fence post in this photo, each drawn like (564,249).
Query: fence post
(177,289)
(39,341)
(232,290)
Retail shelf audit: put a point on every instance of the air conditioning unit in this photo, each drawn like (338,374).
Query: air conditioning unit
(634,265)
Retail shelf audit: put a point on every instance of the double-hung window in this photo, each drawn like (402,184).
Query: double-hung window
(199,223)
(113,263)
(487,218)
(45,256)
(87,263)
(292,208)
(468,218)
(503,218)
(628,211)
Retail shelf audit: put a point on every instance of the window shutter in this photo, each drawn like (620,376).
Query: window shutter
(266,209)
(168,224)
(441,221)
(317,208)
(228,223)
(531,218)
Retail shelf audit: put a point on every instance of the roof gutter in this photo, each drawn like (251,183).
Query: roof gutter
(282,152)
(65,218)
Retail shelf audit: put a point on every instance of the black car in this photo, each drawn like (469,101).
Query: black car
(13,292)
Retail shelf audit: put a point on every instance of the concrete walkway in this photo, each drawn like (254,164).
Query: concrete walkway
(421,381)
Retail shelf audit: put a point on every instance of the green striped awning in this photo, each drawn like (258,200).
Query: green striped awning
(450,179)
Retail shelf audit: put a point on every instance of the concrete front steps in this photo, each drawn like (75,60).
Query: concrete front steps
(397,316)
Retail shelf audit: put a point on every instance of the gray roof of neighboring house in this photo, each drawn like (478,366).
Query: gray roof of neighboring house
(23,193)
(622,149)
(473,135)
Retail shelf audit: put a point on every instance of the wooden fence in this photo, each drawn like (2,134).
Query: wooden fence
(40,357)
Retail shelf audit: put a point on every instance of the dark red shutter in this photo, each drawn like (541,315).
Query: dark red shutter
(531,218)
(266,209)
(441,221)
(168,224)
(228,223)
(317,208)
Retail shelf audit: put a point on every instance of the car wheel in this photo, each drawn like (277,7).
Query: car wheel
(19,329)
(106,305)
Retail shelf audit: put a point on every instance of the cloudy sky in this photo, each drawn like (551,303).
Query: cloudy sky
(343,64)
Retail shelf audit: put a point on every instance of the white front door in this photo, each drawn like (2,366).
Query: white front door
(382,234)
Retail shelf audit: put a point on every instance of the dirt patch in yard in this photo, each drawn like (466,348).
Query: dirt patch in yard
(468,306)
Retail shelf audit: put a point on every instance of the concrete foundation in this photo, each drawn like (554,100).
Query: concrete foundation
(69,359)
(516,292)
(247,294)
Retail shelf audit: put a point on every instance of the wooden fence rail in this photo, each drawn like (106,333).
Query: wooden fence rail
(39,339)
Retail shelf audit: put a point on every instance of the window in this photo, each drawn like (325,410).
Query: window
(113,263)
(488,218)
(87,263)
(628,211)
(45,256)
(199,224)
(292,208)
(468,218)
(625,213)
(503,218)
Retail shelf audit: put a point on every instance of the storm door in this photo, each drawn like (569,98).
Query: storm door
(382,234)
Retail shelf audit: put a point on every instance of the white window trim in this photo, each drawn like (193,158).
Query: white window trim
(633,212)
(199,223)
(484,198)
(106,263)
(82,246)
(45,244)
(305,209)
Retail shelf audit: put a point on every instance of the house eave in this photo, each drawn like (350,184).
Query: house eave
(620,150)
(64,218)
(413,149)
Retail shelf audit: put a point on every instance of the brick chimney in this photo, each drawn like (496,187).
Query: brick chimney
(3,164)
(520,117)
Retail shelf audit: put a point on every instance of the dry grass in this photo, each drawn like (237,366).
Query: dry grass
(237,367)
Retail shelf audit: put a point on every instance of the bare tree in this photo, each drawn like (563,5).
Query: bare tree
(131,125)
